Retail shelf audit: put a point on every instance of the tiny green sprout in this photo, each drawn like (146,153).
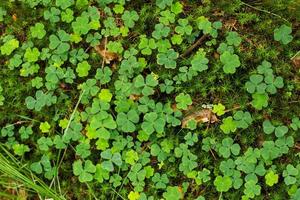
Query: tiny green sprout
(283,34)
(83,68)
(131,157)
(183,101)
(105,95)
(134,195)
(230,62)
(45,127)
(271,178)
(219,109)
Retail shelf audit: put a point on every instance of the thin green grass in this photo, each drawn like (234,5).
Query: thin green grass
(11,168)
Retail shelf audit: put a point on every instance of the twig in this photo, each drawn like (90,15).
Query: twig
(265,11)
(295,55)
(195,45)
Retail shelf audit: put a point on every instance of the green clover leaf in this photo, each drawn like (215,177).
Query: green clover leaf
(283,34)
(271,178)
(168,59)
(38,31)
(228,125)
(83,68)
(172,193)
(223,183)
(230,62)
(129,18)
(161,31)
(183,101)
(9,46)
(84,173)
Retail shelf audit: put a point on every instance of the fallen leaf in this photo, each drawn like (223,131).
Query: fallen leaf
(201,116)
(296,62)
(106,55)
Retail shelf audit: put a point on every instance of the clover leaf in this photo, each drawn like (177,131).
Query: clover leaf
(283,34)
(223,183)
(233,38)
(162,4)
(59,42)
(252,189)
(110,159)
(32,55)
(52,15)
(161,31)
(183,101)
(131,157)
(256,84)
(153,122)
(168,59)
(83,68)
(127,121)
(230,62)
(38,31)
(146,45)
(64,3)
(83,150)
(160,181)
(129,18)
(184,27)
(219,109)
(228,147)
(146,85)
(40,100)
(290,174)
(243,119)
(167,17)
(204,24)
(271,178)
(199,62)
(9,46)
(44,143)
(84,172)
(172,193)
(20,149)
(259,100)
(228,125)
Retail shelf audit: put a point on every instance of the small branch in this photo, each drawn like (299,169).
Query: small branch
(265,11)
(295,55)
(195,45)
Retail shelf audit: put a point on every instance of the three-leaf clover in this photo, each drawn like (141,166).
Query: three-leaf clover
(161,31)
(243,119)
(184,27)
(59,42)
(9,46)
(110,159)
(199,62)
(84,172)
(83,68)
(223,183)
(227,147)
(283,34)
(183,101)
(129,18)
(146,85)
(126,121)
(228,125)
(146,45)
(153,122)
(271,178)
(230,62)
(38,30)
(172,193)
(168,59)
(290,174)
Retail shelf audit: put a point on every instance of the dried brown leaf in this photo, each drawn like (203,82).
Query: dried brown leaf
(201,116)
